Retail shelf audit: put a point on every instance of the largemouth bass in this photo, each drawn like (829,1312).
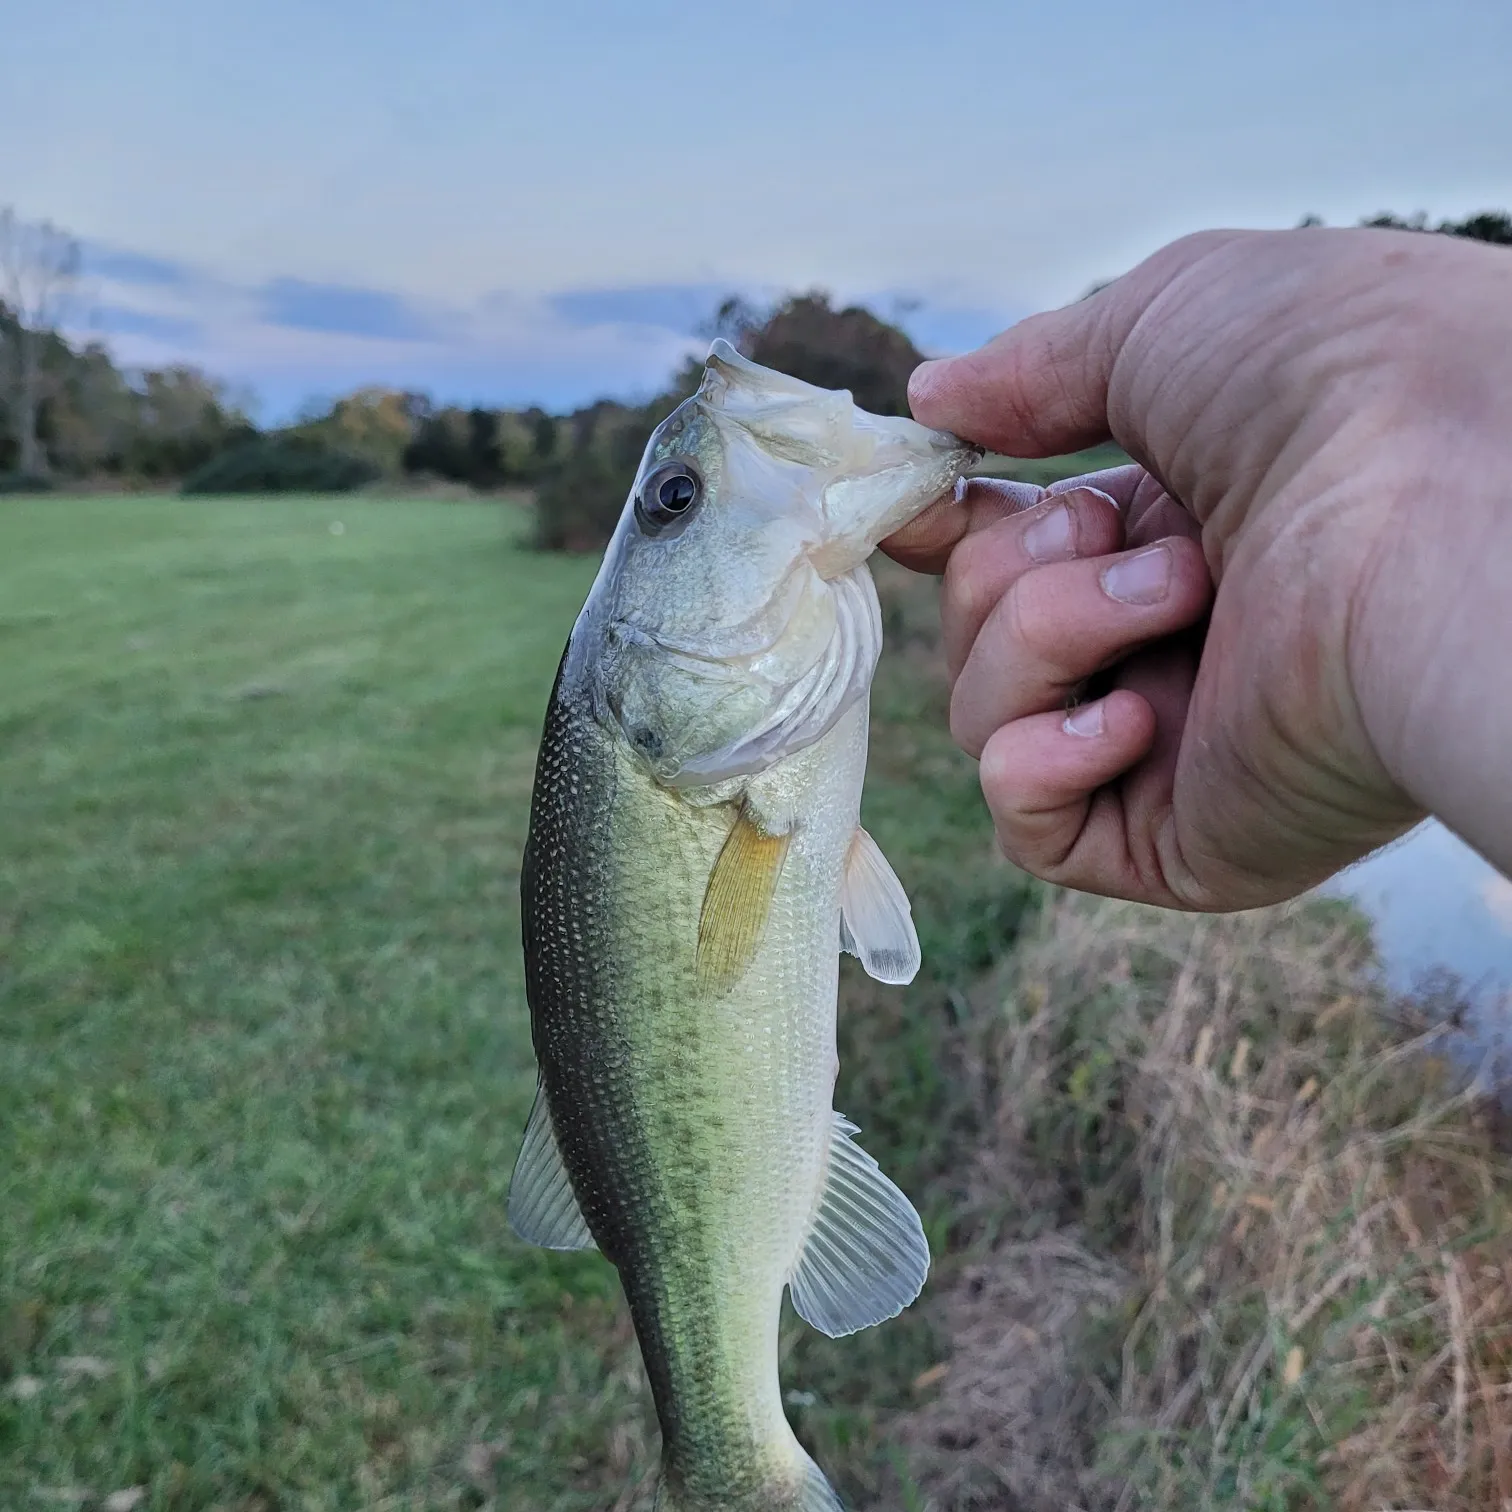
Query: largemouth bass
(694,867)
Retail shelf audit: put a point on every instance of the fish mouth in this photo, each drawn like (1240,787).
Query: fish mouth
(916,468)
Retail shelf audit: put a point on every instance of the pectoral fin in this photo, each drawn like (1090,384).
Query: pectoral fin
(865,1258)
(737,901)
(876,922)
(542,1209)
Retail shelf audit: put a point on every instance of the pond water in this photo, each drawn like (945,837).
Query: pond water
(1438,905)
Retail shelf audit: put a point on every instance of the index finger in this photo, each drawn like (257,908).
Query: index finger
(925,543)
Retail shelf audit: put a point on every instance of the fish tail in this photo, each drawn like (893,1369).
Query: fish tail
(816,1494)
(811,1493)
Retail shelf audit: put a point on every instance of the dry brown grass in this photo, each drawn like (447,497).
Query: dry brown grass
(1243,1239)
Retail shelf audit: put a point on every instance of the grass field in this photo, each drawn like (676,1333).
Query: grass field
(1213,1229)
(264,1055)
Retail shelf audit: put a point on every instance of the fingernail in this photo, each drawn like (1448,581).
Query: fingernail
(1097,493)
(1142,579)
(1085,720)
(1052,537)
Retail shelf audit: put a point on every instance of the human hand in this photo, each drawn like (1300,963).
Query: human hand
(1321,423)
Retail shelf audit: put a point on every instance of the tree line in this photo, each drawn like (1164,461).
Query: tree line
(69,413)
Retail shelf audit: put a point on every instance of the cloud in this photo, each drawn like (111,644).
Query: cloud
(291,339)
(683,308)
(1496,894)
(936,325)
(510,356)
(346,310)
(124,266)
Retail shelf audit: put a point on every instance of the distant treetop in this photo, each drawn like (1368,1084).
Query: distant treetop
(1485,225)
(839,349)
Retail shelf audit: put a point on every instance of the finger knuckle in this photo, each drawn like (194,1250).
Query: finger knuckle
(973,578)
(963,727)
(1031,627)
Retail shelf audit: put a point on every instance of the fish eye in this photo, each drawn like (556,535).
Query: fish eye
(667,495)
(677,492)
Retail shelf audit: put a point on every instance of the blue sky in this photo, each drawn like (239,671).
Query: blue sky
(503,200)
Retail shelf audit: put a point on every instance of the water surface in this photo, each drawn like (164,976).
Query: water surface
(1438,905)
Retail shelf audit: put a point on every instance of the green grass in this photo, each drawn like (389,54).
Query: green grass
(264,1053)
(1047,470)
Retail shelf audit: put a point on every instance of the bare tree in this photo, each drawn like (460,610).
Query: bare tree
(39,271)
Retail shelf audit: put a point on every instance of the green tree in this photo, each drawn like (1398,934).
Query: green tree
(377,424)
(39,270)
(840,349)
(1485,225)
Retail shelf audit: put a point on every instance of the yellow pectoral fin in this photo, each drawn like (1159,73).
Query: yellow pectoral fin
(737,901)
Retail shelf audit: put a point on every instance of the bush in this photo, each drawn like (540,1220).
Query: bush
(174,421)
(578,505)
(24,483)
(579,499)
(281,464)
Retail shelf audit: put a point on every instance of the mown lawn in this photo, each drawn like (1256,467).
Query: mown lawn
(264,1053)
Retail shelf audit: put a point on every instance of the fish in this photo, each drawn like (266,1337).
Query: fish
(695,865)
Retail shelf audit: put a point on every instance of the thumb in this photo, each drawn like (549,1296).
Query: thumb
(1041,388)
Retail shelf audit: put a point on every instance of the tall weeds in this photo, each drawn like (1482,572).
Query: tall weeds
(1243,1236)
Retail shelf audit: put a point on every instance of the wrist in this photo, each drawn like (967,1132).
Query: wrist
(1430,645)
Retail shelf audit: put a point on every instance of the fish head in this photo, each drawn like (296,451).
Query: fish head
(734,620)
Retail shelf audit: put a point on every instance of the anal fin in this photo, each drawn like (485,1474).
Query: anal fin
(865,1257)
(542,1208)
(876,922)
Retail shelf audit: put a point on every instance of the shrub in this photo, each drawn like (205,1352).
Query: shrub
(24,483)
(281,464)
(579,500)
(577,506)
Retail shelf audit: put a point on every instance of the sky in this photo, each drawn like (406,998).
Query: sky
(509,201)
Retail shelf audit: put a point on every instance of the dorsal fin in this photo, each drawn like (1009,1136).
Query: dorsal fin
(865,1257)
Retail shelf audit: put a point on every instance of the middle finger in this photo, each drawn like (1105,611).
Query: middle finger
(1083,522)
(1057,625)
